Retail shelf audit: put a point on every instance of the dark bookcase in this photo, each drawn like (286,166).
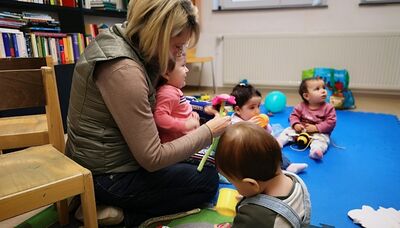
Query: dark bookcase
(72,20)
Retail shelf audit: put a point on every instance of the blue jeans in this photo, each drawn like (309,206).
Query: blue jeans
(285,162)
(142,194)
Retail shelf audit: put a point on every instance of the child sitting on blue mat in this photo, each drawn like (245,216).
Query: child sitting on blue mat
(314,116)
(250,158)
(247,108)
(173,114)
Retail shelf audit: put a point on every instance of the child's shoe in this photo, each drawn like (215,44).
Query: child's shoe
(316,154)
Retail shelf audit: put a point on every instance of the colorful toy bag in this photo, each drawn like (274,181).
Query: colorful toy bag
(337,86)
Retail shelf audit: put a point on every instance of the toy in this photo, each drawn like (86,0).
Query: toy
(263,120)
(218,100)
(303,140)
(227,201)
(275,101)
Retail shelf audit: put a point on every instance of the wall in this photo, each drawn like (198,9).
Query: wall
(339,16)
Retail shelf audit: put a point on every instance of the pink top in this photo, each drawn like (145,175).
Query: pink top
(323,118)
(171,112)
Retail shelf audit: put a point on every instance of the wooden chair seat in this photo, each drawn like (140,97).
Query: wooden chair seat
(27,130)
(50,174)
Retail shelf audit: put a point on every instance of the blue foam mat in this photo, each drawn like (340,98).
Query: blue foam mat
(366,172)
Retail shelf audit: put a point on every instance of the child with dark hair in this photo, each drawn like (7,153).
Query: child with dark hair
(247,108)
(314,116)
(250,158)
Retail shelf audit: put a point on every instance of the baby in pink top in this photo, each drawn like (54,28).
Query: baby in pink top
(173,114)
(314,116)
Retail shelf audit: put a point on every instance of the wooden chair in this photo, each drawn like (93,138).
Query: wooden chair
(39,175)
(34,127)
(192,58)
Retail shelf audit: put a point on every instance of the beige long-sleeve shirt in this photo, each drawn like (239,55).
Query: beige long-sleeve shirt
(124,89)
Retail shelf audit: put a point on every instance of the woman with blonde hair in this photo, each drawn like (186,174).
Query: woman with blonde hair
(111,129)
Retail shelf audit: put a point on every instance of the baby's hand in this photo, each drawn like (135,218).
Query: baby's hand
(223,225)
(192,123)
(210,110)
(298,127)
(255,119)
(311,128)
(196,115)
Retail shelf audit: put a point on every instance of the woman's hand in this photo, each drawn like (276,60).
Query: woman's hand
(218,124)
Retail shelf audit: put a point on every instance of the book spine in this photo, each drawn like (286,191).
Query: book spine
(70,50)
(6,44)
(34,45)
(75,46)
(11,45)
(15,44)
(39,46)
(58,50)
(64,52)
(28,44)
(2,50)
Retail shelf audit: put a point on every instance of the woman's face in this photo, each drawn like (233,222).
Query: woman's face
(178,43)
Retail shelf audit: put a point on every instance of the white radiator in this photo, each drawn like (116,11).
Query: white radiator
(372,59)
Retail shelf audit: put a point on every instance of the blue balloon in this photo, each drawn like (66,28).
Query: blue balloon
(275,101)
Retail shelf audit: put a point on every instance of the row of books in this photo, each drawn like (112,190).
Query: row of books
(68,3)
(119,5)
(64,48)
(28,21)
(116,5)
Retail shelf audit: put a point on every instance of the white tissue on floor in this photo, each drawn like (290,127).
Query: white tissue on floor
(369,218)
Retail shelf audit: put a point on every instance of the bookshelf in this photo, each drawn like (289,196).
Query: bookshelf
(72,20)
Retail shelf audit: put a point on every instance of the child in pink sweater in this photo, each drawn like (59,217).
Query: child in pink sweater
(314,116)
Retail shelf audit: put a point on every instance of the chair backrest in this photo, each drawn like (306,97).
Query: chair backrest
(26,83)
(191,52)
(25,63)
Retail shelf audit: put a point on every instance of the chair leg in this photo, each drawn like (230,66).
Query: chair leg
(63,213)
(200,75)
(88,203)
(213,77)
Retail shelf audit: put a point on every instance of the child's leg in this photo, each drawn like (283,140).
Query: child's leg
(319,145)
(196,158)
(286,136)
(292,167)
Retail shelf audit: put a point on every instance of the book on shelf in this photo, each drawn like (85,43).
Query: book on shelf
(13,43)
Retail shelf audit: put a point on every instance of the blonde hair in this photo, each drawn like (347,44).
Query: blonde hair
(152,23)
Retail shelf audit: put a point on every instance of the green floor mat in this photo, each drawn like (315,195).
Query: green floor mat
(45,218)
(204,216)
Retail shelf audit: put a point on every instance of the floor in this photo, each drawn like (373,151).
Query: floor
(365,102)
